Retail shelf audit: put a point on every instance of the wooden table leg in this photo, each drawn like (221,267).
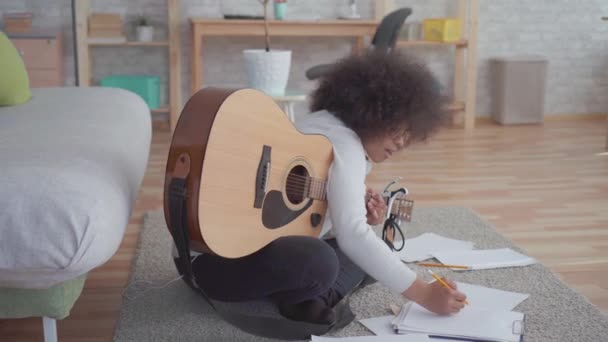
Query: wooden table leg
(197,76)
(359,44)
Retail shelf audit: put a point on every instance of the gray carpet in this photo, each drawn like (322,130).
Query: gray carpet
(175,313)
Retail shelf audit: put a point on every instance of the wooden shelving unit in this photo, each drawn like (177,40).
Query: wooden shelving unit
(161,110)
(465,63)
(172,44)
(459,44)
(158,43)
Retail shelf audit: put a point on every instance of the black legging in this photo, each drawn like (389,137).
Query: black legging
(290,270)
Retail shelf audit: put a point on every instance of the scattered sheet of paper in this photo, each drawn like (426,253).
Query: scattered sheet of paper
(484,259)
(489,298)
(423,247)
(394,338)
(380,326)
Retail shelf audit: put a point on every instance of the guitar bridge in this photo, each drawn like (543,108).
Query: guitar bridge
(261,178)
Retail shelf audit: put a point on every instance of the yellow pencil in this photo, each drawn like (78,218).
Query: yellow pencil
(442,265)
(443,283)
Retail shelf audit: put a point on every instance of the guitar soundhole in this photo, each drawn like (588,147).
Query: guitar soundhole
(297,184)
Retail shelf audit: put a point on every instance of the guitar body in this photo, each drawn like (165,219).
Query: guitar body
(253,177)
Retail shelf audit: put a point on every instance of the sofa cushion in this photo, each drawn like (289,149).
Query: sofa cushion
(14,83)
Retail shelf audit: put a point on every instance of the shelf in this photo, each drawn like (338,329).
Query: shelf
(143,44)
(461,104)
(85,47)
(459,44)
(161,110)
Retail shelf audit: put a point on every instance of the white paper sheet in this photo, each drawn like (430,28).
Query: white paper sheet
(484,259)
(380,326)
(423,246)
(394,338)
(489,298)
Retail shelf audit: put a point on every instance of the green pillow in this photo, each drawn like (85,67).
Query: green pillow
(14,83)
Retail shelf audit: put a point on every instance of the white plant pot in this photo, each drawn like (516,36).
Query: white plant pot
(268,71)
(145,33)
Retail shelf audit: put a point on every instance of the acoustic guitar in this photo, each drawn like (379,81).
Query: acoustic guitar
(250,176)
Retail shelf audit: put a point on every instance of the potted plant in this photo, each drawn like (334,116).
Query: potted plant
(267,69)
(144,29)
(280,7)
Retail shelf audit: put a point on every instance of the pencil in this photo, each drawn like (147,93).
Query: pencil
(442,265)
(443,283)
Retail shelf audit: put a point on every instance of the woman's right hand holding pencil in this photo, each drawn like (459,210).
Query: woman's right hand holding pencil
(436,297)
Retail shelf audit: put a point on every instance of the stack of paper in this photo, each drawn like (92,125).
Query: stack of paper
(471,322)
(424,246)
(484,259)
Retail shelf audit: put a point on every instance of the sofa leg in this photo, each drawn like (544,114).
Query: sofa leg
(50,329)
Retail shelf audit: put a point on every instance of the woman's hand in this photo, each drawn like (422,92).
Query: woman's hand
(436,297)
(376,207)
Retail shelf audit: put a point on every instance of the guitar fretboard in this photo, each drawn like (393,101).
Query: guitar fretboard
(316,189)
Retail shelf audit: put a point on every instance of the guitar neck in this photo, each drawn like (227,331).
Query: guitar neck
(402,208)
(316,189)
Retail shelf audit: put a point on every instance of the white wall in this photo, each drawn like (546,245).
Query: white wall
(568,33)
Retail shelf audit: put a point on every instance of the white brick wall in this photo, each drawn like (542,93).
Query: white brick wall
(569,34)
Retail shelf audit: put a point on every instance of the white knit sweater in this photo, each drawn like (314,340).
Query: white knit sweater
(346,214)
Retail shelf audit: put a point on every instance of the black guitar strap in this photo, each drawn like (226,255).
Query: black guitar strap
(272,327)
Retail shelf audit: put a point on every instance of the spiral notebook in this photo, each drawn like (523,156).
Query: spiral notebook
(479,297)
(394,338)
(471,323)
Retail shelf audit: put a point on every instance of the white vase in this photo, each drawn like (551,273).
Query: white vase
(145,33)
(268,71)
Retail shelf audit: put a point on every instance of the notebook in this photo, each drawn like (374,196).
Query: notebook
(394,338)
(480,297)
(423,246)
(484,259)
(470,323)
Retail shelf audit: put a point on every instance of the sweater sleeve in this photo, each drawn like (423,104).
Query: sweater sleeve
(346,200)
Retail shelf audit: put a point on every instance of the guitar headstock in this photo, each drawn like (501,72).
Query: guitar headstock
(402,207)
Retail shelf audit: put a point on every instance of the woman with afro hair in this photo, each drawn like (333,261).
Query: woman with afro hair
(370,106)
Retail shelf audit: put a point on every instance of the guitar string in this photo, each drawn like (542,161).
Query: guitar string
(297,188)
(299,183)
(293,183)
(302,187)
(305,178)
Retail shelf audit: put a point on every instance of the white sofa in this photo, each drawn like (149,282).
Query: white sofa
(72,163)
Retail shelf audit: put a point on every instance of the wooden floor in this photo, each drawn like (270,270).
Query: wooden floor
(544,187)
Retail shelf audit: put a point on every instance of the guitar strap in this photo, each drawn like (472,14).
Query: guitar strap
(272,327)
